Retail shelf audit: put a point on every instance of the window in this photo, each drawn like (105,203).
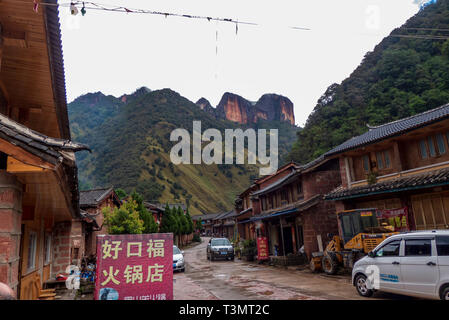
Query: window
(387,159)
(299,188)
(432,150)
(440,144)
(366,165)
(284,195)
(418,247)
(391,249)
(380,163)
(32,242)
(47,249)
(347,227)
(383,160)
(423,148)
(443,245)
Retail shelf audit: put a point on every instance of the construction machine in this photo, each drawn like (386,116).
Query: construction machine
(361,230)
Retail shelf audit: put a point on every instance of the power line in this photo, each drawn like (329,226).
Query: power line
(114,8)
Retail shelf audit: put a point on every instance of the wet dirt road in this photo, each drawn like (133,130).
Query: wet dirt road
(225,280)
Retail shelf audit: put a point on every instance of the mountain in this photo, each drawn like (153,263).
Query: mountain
(405,74)
(271,107)
(130,140)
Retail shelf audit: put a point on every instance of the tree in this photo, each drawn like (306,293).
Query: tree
(121,193)
(149,224)
(123,220)
(184,223)
(189,221)
(199,224)
(169,223)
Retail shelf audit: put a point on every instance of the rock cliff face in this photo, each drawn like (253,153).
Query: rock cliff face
(234,108)
(269,107)
(276,107)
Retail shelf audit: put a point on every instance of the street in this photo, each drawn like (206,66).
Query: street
(239,280)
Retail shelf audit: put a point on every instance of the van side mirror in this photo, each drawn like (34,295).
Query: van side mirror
(371,254)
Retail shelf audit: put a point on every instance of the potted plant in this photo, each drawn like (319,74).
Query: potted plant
(249,250)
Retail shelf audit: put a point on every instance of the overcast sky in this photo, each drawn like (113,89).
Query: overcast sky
(116,52)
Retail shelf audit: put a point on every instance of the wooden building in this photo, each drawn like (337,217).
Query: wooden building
(288,207)
(399,165)
(39,194)
(92,203)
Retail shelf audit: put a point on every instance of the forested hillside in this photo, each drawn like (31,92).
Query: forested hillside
(407,73)
(130,139)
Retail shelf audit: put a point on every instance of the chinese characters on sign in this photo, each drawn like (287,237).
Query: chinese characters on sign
(262,248)
(398,218)
(134,267)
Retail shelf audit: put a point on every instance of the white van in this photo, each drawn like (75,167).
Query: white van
(412,263)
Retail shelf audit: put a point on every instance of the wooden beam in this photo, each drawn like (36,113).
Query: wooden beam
(23,156)
(16,166)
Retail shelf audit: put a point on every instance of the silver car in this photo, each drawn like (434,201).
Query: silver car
(178,260)
(220,248)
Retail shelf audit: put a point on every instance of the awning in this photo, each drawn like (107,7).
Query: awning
(298,207)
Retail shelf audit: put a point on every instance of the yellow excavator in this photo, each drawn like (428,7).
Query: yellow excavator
(361,230)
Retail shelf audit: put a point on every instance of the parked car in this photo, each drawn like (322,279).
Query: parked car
(178,260)
(219,248)
(413,263)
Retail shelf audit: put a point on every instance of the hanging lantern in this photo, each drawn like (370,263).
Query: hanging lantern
(73,9)
(83,10)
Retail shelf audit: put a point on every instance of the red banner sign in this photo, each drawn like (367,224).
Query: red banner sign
(262,248)
(134,267)
(398,218)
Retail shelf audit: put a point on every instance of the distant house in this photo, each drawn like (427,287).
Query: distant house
(207,221)
(92,202)
(288,208)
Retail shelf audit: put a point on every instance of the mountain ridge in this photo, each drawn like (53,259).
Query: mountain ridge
(130,142)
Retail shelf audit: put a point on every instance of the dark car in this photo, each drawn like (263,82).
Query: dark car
(220,248)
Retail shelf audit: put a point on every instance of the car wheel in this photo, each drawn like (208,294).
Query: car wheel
(445,294)
(207,256)
(183,269)
(362,287)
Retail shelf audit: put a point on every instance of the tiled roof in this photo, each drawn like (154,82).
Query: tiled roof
(57,64)
(206,216)
(277,184)
(94,196)
(393,128)
(418,181)
(52,150)
(49,149)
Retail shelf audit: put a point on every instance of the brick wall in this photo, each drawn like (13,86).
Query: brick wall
(318,220)
(10,229)
(77,241)
(61,247)
(320,182)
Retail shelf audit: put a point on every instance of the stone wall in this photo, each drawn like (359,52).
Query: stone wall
(61,247)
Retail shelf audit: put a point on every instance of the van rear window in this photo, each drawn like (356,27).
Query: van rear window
(443,245)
